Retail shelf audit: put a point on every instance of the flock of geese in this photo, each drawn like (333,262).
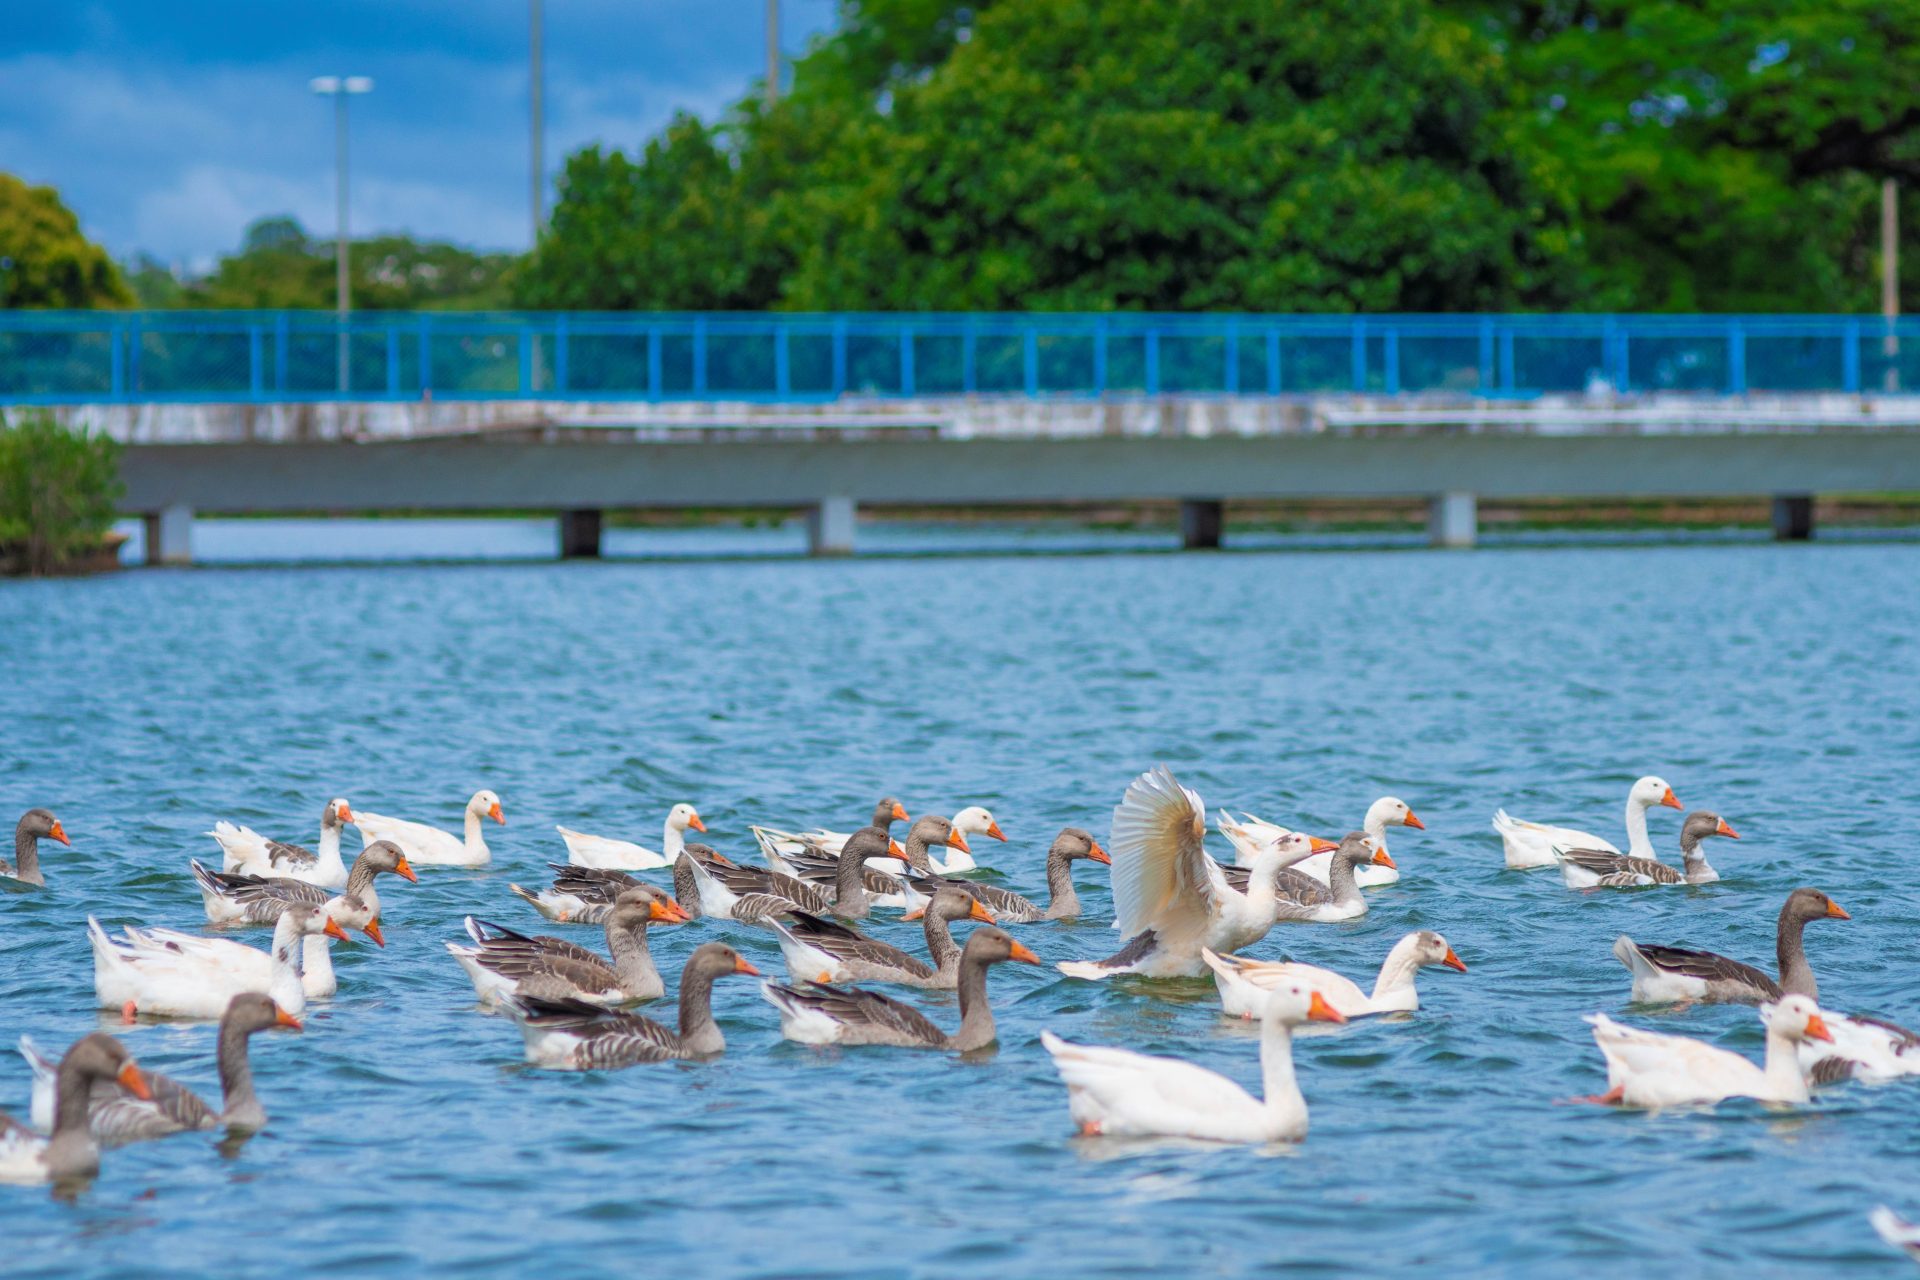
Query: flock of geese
(1179,912)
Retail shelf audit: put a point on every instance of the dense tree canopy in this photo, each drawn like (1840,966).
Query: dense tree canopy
(44,259)
(1244,154)
(278,265)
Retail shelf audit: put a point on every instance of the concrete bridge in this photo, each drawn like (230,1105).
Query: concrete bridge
(1204,452)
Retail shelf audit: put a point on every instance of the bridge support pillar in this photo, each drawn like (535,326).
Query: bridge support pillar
(1201,520)
(830,527)
(1453,519)
(580,534)
(170,535)
(1792,517)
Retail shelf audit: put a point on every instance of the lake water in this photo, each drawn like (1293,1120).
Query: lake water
(1776,685)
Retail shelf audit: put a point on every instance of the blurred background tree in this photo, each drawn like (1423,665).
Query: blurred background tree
(44,259)
(279,265)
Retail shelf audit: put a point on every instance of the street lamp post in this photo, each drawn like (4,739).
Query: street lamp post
(773,51)
(340,88)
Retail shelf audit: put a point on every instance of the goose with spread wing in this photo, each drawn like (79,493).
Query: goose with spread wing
(1666,975)
(608,854)
(1171,899)
(1599,869)
(572,1035)
(820,1014)
(117,1116)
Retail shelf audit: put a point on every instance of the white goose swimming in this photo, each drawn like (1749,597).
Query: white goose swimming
(157,971)
(607,854)
(1244,983)
(430,846)
(1648,1069)
(246,851)
(1119,1093)
(1170,899)
(1248,835)
(1531,844)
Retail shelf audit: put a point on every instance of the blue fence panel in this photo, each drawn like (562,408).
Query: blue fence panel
(55,357)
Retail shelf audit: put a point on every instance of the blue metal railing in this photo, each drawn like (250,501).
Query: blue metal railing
(56,357)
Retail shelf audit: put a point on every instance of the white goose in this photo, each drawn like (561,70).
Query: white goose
(1118,1093)
(608,854)
(1531,844)
(1170,899)
(1248,835)
(430,846)
(1862,1048)
(248,852)
(1647,1069)
(1244,983)
(157,972)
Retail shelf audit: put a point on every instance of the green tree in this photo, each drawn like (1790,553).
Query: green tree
(58,490)
(45,261)
(279,265)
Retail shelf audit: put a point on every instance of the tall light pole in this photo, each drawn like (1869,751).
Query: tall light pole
(340,88)
(1890,277)
(536,106)
(773,51)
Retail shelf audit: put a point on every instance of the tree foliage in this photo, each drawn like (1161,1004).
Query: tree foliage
(279,265)
(45,261)
(58,490)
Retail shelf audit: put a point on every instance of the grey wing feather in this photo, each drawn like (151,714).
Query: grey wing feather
(1708,967)
(608,1039)
(282,854)
(849,944)
(860,1008)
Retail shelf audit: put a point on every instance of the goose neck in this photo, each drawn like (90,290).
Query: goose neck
(1638,845)
(1279,1084)
(26,855)
(698,1031)
(1796,975)
(1785,1080)
(1062,898)
(240,1105)
(976,1014)
(632,959)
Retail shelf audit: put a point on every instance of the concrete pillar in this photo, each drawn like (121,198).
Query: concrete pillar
(830,527)
(580,534)
(1453,519)
(1792,517)
(170,535)
(1201,520)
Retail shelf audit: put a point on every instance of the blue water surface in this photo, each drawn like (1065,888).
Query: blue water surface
(1776,685)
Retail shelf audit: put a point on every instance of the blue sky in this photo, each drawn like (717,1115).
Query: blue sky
(168,125)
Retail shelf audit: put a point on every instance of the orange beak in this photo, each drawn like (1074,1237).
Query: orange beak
(1318,1010)
(1835,910)
(286,1019)
(980,912)
(722,859)
(1817,1029)
(1022,954)
(899,814)
(59,833)
(1453,961)
(1411,821)
(914,914)
(740,965)
(333,930)
(1726,830)
(373,931)
(696,824)
(344,813)
(958,841)
(895,851)
(404,870)
(1098,854)
(501,818)
(1380,859)
(993,829)
(667,911)
(1318,845)
(135,1082)
(1670,800)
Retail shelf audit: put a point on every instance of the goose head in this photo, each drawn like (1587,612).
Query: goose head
(337,814)
(487,805)
(98,1056)
(976,821)
(385,855)
(1424,947)
(888,812)
(643,905)
(1796,1018)
(1806,905)
(952,904)
(934,829)
(252,1011)
(1701,825)
(1356,848)
(309,921)
(716,960)
(990,944)
(684,816)
(1391,811)
(1076,842)
(41,822)
(1292,1003)
(1651,792)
